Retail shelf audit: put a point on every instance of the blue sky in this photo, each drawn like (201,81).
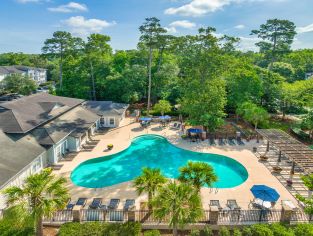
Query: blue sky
(25,24)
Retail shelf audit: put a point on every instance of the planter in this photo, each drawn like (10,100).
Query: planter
(184,136)
(277,169)
(263,158)
(289,182)
(110,146)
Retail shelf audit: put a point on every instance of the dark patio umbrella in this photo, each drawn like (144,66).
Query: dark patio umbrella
(145,119)
(265,193)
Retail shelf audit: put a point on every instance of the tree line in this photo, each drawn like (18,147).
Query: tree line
(206,74)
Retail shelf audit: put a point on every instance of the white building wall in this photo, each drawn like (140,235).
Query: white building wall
(34,167)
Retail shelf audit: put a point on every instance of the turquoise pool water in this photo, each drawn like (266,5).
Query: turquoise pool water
(156,152)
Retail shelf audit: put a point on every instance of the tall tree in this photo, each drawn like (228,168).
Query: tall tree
(180,203)
(197,174)
(277,36)
(162,106)
(97,48)
(149,182)
(58,46)
(18,83)
(150,34)
(41,193)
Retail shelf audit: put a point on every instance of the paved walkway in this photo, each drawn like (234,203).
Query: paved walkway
(121,139)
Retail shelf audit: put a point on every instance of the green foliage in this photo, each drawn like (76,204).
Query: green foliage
(163,107)
(195,232)
(284,69)
(261,230)
(308,181)
(281,230)
(149,182)
(153,232)
(308,202)
(307,123)
(197,174)
(303,229)
(42,193)
(100,229)
(237,232)
(224,231)
(18,84)
(180,202)
(253,113)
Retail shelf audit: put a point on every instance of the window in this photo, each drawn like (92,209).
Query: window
(102,121)
(111,121)
(36,166)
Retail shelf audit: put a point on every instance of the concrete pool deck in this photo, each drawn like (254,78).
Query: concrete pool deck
(121,139)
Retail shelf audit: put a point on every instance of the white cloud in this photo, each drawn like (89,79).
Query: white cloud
(70,7)
(80,26)
(183,24)
(240,27)
(171,30)
(248,43)
(202,7)
(305,29)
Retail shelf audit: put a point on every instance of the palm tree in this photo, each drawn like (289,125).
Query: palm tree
(42,194)
(197,174)
(180,202)
(149,181)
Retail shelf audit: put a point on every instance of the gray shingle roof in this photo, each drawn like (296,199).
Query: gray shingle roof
(75,123)
(106,107)
(17,151)
(25,114)
(17,69)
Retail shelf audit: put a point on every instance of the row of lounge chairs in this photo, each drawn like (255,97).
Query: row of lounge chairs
(229,141)
(231,205)
(97,203)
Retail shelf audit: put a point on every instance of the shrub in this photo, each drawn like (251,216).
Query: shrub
(207,231)
(246,231)
(237,232)
(224,232)
(261,230)
(195,232)
(303,229)
(100,229)
(152,233)
(280,230)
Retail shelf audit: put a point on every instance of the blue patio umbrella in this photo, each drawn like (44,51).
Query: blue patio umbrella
(265,193)
(164,117)
(196,131)
(145,119)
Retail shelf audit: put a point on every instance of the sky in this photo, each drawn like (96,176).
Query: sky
(25,24)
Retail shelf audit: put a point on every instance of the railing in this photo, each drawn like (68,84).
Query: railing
(229,217)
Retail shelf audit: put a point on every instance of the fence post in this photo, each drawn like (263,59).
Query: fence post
(77,215)
(131,214)
(286,213)
(213,215)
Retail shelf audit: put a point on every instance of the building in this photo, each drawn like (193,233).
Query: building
(37,74)
(111,113)
(38,130)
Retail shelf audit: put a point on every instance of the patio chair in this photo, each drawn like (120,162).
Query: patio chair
(231,141)
(129,203)
(70,205)
(221,142)
(239,141)
(81,202)
(212,141)
(178,126)
(113,204)
(216,203)
(96,203)
(232,204)
(290,204)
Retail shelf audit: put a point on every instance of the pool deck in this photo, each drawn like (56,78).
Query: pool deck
(121,139)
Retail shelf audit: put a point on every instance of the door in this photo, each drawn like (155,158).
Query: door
(102,122)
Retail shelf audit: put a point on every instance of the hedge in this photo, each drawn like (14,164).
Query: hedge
(100,229)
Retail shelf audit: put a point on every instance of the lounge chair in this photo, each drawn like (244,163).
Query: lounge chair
(70,205)
(231,141)
(178,126)
(81,202)
(96,203)
(212,141)
(221,142)
(232,204)
(239,141)
(113,204)
(290,204)
(129,204)
(216,203)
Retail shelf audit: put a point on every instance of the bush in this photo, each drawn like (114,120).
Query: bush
(261,230)
(152,233)
(195,232)
(237,232)
(100,229)
(303,229)
(224,232)
(280,230)
(207,231)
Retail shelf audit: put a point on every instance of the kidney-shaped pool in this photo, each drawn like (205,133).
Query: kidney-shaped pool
(155,152)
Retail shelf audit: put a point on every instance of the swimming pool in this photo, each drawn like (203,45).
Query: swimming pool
(156,152)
